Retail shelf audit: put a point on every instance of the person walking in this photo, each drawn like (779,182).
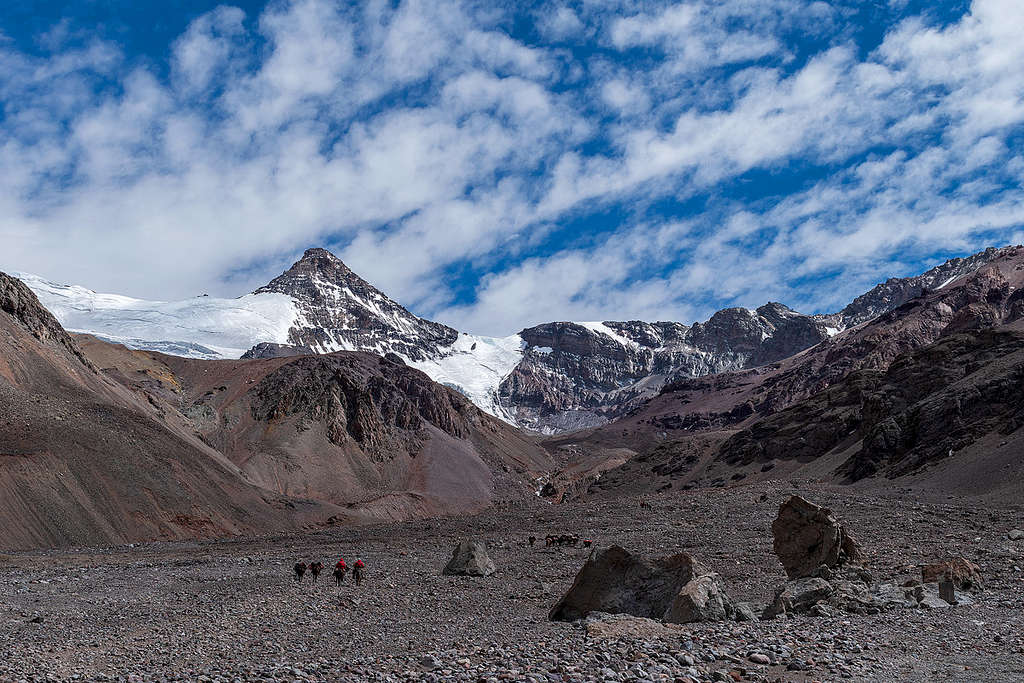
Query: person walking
(300,570)
(340,569)
(357,571)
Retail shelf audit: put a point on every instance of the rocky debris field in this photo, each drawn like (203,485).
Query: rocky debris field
(231,610)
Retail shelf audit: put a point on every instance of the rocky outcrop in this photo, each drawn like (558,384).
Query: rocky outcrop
(470,558)
(18,301)
(928,404)
(964,574)
(799,596)
(854,592)
(358,404)
(674,589)
(808,536)
(895,292)
(271,350)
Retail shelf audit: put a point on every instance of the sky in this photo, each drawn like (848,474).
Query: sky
(498,165)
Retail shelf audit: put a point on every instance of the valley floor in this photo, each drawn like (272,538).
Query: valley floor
(229,610)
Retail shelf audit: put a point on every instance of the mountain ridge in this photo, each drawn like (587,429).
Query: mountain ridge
(549,378)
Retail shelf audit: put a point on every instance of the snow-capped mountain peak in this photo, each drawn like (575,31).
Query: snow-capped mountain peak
(340,311)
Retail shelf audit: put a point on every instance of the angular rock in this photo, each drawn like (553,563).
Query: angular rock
(744,612)
(808,536)
(891,596)
(1015,535)
(947,592)
(799,596)
(616,581)
(470,558)
(702,599)
(928,597)
(964,574)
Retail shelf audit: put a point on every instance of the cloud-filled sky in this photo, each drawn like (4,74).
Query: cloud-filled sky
(493,167)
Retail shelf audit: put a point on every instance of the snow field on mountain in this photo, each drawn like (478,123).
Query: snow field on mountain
(228,327)
(475,366)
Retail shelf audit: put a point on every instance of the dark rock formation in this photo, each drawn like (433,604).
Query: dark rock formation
(616,581)
(895,292)
(577,375)
(799,596)
(18,301)
(270,350)
(808,536)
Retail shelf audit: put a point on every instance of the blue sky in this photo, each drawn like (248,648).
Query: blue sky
(496,166)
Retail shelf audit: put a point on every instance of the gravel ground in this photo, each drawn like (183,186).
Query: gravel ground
(230,610)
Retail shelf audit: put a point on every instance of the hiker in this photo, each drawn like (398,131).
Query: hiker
(340,569)
(300,569)
(315,569)
(357,571)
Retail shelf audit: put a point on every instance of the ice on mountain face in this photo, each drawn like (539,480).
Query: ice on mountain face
(475,366)
(601,328)
(183,349)
(227,327)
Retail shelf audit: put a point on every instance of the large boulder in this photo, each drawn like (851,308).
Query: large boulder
(808,536)
(470,558)
(675,589)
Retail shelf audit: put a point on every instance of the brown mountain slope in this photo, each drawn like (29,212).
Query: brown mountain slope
(674,437)
(369,434)
(101,445)
(84,461)
(945,401)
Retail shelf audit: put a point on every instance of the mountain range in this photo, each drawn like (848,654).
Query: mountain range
(916,383)
(550,378)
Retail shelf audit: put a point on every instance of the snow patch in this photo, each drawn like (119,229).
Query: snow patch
(601,328)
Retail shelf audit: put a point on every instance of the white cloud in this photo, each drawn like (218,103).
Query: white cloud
(561,24)
(425,139)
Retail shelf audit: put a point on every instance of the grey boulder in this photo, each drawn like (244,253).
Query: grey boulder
(470,558)
(676,589)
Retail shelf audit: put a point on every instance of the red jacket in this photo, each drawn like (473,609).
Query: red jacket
(359,564)
(341,565)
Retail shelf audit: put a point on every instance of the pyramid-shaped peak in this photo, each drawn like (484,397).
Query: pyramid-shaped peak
(318,253)
(320,260)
